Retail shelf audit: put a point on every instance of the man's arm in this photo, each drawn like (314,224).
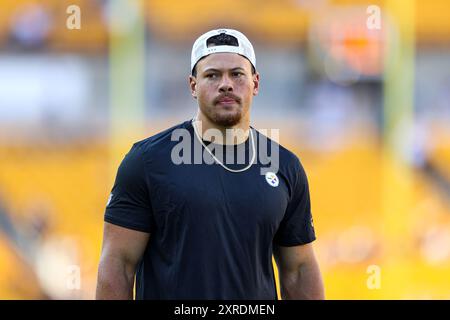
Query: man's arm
(299,272)
(121,252)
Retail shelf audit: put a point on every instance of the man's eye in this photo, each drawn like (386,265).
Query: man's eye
(237,74)
(211,76)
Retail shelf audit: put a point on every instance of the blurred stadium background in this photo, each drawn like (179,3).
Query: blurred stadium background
(367,110)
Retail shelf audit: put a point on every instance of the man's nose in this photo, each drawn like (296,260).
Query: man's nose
(226,84)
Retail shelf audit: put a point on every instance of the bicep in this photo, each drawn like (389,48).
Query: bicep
(289,259)
(123,244)
(300,276)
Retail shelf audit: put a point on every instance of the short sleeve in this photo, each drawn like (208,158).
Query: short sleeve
(129,202)
(297,227)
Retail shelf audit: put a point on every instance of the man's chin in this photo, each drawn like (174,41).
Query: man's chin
(226,119)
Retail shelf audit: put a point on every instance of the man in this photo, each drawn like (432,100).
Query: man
(208,230)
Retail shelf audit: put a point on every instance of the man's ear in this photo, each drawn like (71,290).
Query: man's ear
(193,86)
(255,83)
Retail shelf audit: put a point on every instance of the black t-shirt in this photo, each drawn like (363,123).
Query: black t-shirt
(211,230)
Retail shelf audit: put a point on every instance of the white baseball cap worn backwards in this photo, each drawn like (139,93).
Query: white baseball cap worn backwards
(200,48)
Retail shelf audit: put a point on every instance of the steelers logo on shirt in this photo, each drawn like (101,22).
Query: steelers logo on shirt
(272,179)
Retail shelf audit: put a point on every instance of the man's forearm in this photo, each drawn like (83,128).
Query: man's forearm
(114,282)
(305,283)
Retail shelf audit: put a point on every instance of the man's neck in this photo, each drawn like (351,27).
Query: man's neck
(236,134)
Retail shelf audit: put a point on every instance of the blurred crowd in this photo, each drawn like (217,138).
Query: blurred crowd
(323,83)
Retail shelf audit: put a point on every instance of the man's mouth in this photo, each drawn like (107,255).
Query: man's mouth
(227,100)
